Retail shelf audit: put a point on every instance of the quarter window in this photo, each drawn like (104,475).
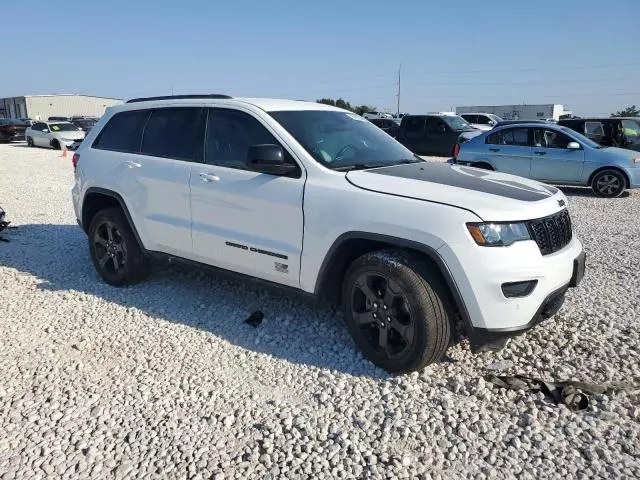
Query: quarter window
(511,136)
(123,132)
(175,133)
(230,134)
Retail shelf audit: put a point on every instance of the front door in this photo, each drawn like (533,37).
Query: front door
(247,222)
(552,161)
(36,134)
(509,150)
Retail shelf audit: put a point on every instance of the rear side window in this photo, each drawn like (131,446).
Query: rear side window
(510,136)
(593,129)
(123,132)
(175,133)
(415,124)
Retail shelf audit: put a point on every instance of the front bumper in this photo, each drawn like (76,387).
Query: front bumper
(634,176)
(481,338)
(480,273)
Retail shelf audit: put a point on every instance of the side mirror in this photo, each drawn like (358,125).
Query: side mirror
(268,159)
(573,146)
(45,130)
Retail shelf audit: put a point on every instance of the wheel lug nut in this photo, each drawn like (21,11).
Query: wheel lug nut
(375,315)
(375,305)
(388,319)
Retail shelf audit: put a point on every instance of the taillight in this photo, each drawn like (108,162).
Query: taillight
(75,159)
(456,151)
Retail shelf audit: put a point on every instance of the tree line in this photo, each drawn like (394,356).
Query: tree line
(341,103)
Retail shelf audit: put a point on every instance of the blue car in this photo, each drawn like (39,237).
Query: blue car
(552,154)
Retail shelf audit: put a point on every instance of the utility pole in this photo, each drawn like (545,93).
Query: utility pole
(399,72)
(172,89)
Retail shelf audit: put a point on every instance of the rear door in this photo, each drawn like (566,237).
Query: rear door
(149,158)
(244,221)
(552,161)
(509,150)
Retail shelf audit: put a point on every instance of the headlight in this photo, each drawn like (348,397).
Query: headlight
(498,234)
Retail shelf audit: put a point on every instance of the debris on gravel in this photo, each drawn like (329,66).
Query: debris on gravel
(166,380)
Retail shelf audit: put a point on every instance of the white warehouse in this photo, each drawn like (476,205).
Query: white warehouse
(41,107)
(518,112)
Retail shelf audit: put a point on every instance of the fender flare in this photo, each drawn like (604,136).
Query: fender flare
(121,202)
(430,252)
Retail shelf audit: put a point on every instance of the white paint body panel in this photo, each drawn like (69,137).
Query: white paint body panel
(175,212)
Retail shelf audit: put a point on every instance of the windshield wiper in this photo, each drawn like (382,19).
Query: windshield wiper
(355,166)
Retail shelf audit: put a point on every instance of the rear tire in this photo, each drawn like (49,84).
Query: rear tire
(114,250)
(395,311)
(609,183)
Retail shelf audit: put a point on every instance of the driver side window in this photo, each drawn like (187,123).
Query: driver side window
(230,134)
(551,139)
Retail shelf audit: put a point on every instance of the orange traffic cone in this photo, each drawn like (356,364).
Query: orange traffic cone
(64,153)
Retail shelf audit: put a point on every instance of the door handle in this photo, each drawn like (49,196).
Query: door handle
(494,149)
(540,153)
(209,177)
(131,164)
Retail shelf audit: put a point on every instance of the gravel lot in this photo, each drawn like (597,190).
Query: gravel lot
(164,380)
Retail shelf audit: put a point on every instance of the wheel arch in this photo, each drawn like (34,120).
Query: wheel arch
(351,245)
(610,167)
(96,199)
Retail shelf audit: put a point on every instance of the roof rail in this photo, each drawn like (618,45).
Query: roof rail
(177,97)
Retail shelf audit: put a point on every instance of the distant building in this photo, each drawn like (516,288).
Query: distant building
(518,112)
(41,107)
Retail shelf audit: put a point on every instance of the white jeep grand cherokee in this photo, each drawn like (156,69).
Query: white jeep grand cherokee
(318,199)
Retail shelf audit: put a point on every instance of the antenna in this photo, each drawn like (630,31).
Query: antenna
(399,73)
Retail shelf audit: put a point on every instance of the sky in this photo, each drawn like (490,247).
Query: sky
(582,54)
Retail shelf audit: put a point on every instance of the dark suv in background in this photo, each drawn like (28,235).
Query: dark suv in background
(433,134)
(608,132)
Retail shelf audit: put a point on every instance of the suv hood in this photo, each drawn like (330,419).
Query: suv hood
(493,196)
(71,134)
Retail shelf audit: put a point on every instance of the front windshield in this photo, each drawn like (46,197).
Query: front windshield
(341,140)
(581,138)
(457,123)
(63,127)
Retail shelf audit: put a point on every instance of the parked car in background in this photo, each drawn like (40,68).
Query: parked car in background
(58,119)
(432,134)
(28,121)
(84,123)
(370,115)
(53,134)
(609,132)
(387,125)
(481,121)
(553,154)
(12,129)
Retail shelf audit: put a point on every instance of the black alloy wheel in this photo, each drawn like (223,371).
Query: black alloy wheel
(382,314)
(397,310)
(114,249)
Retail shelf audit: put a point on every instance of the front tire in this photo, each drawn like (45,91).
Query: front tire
(55,144)
(114,250)
(30,142)
(395,311)
(608,183)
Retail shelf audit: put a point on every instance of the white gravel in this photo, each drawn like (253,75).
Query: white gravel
(164,380)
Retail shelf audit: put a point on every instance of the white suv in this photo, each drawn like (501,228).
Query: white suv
(318,199)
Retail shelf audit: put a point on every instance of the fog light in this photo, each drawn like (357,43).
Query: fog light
(518,289)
